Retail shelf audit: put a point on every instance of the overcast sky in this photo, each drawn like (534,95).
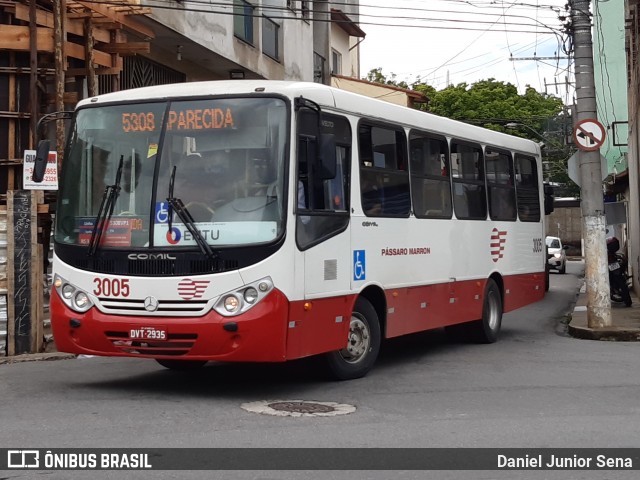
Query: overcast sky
(453,41)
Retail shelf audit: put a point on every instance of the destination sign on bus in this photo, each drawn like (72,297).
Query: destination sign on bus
(187,119)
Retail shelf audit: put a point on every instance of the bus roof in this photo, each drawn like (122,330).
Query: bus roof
(327,97)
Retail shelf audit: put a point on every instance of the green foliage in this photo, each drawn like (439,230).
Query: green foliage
(376,75)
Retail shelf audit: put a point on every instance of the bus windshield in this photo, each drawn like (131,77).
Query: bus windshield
(222,159)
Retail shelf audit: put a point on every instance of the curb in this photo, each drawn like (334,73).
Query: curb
(628,320)
(36,357)
(607,334)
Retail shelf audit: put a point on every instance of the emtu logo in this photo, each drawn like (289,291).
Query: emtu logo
(174,236)
(23,459)
(498,239)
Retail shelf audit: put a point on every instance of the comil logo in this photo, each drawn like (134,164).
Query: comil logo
(23,459)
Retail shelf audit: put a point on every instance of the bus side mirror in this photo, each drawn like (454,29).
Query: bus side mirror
(42,157)
(327,156)
(548,199)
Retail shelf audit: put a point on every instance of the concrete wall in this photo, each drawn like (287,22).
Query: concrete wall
(566,222)
(633,98)
(609,61)
(340,43)
(208,42)
(369,89)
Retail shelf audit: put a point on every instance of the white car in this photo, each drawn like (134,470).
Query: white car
(556,254)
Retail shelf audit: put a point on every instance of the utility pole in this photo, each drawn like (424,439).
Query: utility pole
(592,203)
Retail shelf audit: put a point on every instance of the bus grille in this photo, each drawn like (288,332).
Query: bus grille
(167,307)
(155,267)
(177,344)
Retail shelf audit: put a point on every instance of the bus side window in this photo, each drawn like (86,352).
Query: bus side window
(430,185)
(527,188)
(384,177)
(467,171)
(501,184)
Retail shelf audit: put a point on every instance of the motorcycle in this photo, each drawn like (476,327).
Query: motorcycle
(618,275)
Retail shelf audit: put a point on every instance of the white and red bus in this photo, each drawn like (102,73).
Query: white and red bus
(264,221)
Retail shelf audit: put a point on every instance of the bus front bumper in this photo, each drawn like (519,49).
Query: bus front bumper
(258,335)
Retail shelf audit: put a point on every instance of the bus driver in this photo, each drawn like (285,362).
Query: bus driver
(203,184)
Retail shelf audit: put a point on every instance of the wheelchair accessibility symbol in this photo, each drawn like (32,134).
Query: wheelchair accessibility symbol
(162,212)
(359,265)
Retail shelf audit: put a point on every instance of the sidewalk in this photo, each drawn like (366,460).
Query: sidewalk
(625,321)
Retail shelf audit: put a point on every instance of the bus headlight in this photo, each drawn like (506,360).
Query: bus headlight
(250,295)
(242,299)
(81,301)
(67,290)
(231,303)
(72,296)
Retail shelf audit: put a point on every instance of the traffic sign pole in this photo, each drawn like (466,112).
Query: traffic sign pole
(589,136)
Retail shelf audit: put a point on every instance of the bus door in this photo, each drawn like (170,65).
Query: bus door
(322,236)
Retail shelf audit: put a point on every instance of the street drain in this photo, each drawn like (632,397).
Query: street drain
(298,408)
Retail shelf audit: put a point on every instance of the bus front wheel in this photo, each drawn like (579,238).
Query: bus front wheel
(363,344)
(181,364)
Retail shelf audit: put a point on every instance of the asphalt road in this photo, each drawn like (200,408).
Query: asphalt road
(536,387)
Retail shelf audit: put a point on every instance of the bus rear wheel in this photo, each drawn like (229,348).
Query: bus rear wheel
(181,364)
(363,344)
(486,329)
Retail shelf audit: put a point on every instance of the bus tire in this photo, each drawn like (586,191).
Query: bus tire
(363,345)
(181,364)
(486,329)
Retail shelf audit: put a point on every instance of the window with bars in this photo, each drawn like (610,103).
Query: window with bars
(318,67)
(304,9)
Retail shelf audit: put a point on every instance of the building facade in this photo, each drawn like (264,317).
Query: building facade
(54,53)
(632,47)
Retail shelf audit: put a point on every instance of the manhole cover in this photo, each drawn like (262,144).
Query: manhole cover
(298,408)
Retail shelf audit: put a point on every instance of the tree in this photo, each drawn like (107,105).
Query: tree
(375,75)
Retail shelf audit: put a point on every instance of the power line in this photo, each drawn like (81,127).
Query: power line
(158,5)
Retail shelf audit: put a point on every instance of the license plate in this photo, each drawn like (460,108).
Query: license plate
(148,333)
(614,266)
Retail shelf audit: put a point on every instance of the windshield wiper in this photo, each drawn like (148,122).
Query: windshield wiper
(107,204)
(176,204)
(172,179)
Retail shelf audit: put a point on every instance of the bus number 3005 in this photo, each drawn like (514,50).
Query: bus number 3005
(111,287)
(537,245)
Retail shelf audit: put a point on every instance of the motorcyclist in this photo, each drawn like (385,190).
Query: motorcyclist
(617,272)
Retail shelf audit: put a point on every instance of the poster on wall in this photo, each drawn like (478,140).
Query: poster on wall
(50,181)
